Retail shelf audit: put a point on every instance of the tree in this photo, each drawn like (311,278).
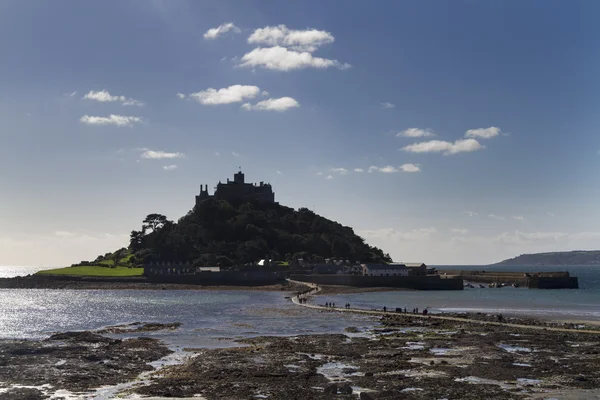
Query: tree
(135,240)
(118,256)
(154,222)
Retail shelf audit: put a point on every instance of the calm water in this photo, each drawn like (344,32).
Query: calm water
(9,272)
(208,317)
(564,304)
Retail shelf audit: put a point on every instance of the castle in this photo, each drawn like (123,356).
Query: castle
(237,190)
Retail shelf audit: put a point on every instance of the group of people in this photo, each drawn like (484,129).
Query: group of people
(400,310)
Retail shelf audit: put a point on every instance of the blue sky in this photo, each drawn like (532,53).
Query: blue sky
(443,132)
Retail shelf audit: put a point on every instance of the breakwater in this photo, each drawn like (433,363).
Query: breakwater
(531,280)
(429,282)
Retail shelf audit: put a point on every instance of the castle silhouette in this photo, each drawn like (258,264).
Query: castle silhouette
(238,190)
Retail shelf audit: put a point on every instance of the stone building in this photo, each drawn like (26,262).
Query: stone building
(237,190)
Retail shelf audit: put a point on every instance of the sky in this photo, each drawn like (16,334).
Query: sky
(461,132)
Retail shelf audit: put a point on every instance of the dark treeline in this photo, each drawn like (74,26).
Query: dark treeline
(218,232)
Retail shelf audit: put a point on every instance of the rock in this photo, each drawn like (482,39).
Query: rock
(365,396)
(332,388)
(345,389)
(368,374)
(22,394)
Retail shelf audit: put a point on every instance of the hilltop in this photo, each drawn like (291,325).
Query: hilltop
(229,233)
(555,258)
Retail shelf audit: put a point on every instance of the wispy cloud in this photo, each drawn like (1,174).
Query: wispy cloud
(281,104)
(112,119)
(550,214)
(231,94)
(160,155)
(392,234)
(329,177)
(279,172)
(471,213)
(519,218)
(72,94)
(181,96)
(390,169)
(170,167)
(319,173)
(386,104)
(341,171)
(415,132)
(222,29)
(498,217)
(104,96)
(217,154)
(233,153)
(483,133)
(460,231)
(359,170)
(410,168)
(447,148)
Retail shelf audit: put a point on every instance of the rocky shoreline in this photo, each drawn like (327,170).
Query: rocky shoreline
(404,357)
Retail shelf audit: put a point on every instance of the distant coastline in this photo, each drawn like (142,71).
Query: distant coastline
(556,259)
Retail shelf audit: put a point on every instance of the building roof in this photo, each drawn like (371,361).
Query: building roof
(415,265)
(385,266)
(209,269)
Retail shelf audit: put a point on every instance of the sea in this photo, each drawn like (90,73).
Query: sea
(216,318)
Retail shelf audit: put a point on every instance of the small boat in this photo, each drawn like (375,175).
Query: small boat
(515,284)
(481,286)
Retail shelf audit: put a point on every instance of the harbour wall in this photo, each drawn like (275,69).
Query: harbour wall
(538,280)
(434,282)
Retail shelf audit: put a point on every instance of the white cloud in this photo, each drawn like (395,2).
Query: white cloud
(392,234)
(160,155)
(359,170)
(233,153)
(440,146)
(112,119)
(170,167)
(214,33)
(282,59)
(319,173)
(231,94)
(498,217)
(281,104)
(386,104)
(104,96)
(329,177)
(181,95)
(460,231)
(415,132)
(302,40)
(519,218)
(341,171)
(410,168)
(72,94)
(471,214)
(483,133)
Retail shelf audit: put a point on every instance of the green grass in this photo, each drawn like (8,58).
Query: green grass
(93,271)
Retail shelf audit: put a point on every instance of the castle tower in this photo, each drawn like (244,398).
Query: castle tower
(238,177)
